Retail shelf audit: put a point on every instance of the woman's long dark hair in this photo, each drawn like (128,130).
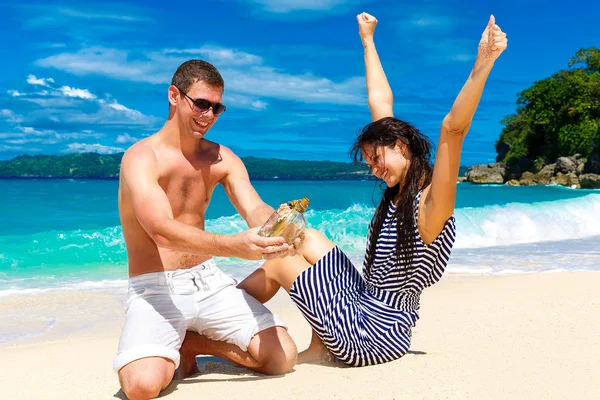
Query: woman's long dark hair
(385,133)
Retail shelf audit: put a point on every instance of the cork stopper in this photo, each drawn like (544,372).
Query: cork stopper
(301,205)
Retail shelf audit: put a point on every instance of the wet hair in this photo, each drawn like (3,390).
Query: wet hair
(385,133)
(193,71)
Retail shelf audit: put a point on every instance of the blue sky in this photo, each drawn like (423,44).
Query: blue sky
(93,76)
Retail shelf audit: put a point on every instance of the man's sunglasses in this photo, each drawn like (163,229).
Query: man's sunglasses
(203,105)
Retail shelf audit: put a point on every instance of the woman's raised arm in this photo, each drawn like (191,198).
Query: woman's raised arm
(439,202)
(378,89)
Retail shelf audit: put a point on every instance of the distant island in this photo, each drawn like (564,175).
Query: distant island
(554,136)
(106,166)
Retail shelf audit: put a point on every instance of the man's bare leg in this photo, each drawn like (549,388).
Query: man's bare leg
(144,378)
(271,352)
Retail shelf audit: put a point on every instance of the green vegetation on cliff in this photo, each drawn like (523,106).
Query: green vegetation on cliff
(557,116)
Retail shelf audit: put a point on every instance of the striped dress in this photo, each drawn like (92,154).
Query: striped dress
(367,320)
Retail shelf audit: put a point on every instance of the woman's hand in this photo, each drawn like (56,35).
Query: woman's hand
(366,25)
(493,41)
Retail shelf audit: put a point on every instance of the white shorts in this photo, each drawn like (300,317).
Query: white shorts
(162,306)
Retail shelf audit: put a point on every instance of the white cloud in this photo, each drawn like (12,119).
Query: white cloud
(428,22)
(307,88)
(4,148)
(133,114)
(46,136)
(111,62)
(238,100)
(10,116)
(70,105)
(259,105)
(29,131)
(249,76)
(24,141)
(434,31)
(287,6)
(125,139)
(90,15)
(32,80)
(78,93)
(463,57)
(219,56)
(52,103)
(14,93)
(109,16)
(91,148)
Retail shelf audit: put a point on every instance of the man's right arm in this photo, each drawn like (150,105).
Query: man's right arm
(151,207)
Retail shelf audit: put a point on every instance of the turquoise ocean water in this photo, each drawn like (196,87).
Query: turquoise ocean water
(65,234)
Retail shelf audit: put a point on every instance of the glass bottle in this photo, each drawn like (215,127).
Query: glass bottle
(287,221)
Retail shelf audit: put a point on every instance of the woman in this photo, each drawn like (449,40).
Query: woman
(365,320)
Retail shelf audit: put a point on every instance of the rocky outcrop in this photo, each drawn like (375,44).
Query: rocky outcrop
(574,172)
(487,173)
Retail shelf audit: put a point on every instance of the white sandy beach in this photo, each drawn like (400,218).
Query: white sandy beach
(531,336)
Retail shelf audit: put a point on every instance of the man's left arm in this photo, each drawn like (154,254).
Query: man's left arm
(243,196)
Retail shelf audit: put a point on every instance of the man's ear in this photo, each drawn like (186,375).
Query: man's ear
(173,95)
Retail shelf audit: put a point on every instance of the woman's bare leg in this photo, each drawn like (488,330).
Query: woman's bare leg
(315,246)
(264,283)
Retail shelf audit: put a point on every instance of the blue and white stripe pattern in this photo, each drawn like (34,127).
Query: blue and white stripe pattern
(368,320)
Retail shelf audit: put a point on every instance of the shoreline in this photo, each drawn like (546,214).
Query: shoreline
(118,287)
(509,336)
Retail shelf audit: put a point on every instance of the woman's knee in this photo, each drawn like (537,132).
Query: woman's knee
(315,245)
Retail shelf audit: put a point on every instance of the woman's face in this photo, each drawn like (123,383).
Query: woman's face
(387,163)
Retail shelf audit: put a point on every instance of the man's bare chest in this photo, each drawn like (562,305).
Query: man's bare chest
(189,194)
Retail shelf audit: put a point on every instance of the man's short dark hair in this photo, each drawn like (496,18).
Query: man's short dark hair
(193,71)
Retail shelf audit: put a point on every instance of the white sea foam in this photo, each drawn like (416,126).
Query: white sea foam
(58,286)
(518,223)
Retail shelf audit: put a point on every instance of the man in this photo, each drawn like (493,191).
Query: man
(165,187)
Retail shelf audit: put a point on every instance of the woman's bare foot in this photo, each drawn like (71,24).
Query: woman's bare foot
(311,356)
(316,352)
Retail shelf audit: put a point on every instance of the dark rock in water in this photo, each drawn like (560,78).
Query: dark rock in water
(487,173)
(589,181)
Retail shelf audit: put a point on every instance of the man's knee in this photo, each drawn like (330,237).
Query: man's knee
(277,353)
(145,381)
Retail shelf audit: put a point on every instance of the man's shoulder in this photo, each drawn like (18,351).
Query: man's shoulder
(223,152)
(141,151)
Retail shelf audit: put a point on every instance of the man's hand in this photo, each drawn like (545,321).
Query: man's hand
(493,41)
(250,245)
(366,26)
(295,247)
